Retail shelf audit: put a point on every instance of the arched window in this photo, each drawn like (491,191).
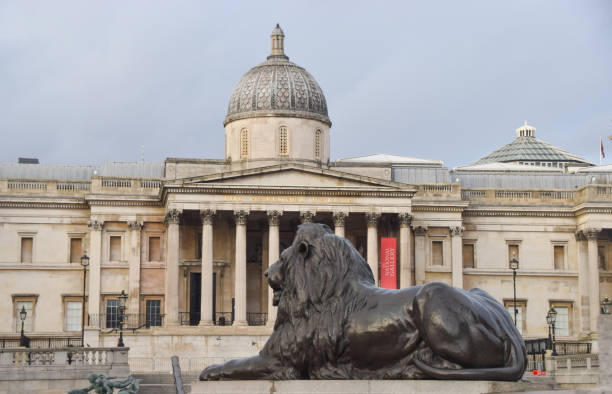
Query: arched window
(244,143)
(283,141)
(317,144)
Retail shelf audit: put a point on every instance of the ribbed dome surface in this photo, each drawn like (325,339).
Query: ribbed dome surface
(277,87)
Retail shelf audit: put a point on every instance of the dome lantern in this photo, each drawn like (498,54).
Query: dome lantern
(278,44)
(525,131)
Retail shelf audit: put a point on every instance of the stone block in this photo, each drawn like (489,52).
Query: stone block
(605,350)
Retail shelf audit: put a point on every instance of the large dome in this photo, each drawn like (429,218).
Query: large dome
(277,87)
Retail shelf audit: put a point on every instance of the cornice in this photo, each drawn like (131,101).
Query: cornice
(44,204)
(509,212)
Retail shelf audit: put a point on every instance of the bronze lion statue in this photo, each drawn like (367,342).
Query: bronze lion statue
(334,323)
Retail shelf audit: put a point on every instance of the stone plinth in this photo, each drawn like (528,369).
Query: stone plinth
(605,351)
(362,386)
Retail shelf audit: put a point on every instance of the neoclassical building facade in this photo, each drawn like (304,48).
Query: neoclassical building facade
(188,240)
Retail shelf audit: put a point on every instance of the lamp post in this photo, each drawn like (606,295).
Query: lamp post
(514,264)
(85,264)
(122,298)
(551,317)
(22,315)
(605,306)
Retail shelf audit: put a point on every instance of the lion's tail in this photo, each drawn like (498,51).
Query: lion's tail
(513,371)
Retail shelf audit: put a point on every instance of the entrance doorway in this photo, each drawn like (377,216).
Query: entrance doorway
(195,297)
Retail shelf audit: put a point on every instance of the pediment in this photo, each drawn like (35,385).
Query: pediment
(293,176)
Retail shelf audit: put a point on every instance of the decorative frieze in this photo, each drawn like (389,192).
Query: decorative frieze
(340,219)
(307,216)
(173,216)
(208,216)
(95,225)
(241,217)
(404,219)
(372,218)
(274,217)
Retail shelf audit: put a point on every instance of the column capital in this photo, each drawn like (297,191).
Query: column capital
(135,225)
(241,216)
(172,216)
(208,216)
(95,225)
(274,217)
(372,218)
(456,231)
(307,216)
(404,219)
(419,230)
(340,218)
(592,233)
(580,235)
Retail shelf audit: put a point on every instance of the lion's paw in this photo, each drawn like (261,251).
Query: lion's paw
(213,372)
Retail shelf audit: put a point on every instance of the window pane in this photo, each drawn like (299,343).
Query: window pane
(562,322)
(468,256)
(283,141)
(73,316)
(112,313)
(559,257)
(26,250)
(76,250)
(27,324)
(436,253)
(154,249)
(153,312)
(115,249)
(519,315)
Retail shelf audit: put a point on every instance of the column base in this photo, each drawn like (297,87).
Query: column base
(240,323)
(206,323)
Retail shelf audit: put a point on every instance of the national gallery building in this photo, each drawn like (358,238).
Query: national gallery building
(188,240)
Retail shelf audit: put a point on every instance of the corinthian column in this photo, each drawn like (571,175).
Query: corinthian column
(404,244)
(457,256)
(583,283)
(95,259)
(134,267)
(372,219)
(593,276)
(307,216)
(240,277)
(206,317)
(273,255)
(339,220)
(419,254)
(171,300)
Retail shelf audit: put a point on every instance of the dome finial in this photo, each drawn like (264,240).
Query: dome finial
(278,44)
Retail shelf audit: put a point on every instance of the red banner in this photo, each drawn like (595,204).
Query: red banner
(388,263)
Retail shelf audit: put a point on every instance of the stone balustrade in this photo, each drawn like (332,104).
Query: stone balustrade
(574,369)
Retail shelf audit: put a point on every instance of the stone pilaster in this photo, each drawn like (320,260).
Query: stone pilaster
(405,252)
(419,254)
(583,283)
(134,267)
(206,315)
(240,277)
(171,300)
(273,256)
(95,261)
(592,234)
(339,222)
(372,220)
(457,256)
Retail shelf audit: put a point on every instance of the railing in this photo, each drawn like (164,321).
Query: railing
(20,185)
(72,186)
(62,357)
(42,342)
(536,353)
(193,318)
(150,184)
(116,183)
(257,318)
(132,321)
(568,348)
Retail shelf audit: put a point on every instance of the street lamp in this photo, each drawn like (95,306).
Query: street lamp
(605,306)
(551,317)
(85,264)
(122,298)
(514,264)
(23,341)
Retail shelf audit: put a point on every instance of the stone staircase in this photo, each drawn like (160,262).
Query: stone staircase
(161,383)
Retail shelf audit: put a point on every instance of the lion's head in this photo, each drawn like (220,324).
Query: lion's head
(316,266)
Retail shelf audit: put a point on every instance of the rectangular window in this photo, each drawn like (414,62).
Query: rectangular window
(112,313)
(601,251)
(27,324)
(513,251)
(562,321)
(198,245)
(318,144)
(26,249)
(73,315)
(153,313)
(437,257)
(468,255)
(154,249)
(283,141)
(520,308)
(76,250)
(559,256)
(115,248)
(244,143)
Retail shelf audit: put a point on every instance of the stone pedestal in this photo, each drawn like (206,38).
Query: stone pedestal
(605,351)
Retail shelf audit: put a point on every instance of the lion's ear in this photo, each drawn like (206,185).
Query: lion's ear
(304,248)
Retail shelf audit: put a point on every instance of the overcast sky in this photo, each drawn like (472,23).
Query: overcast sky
(88,82)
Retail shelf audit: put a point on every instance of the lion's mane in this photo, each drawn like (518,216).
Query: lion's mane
(308,328)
